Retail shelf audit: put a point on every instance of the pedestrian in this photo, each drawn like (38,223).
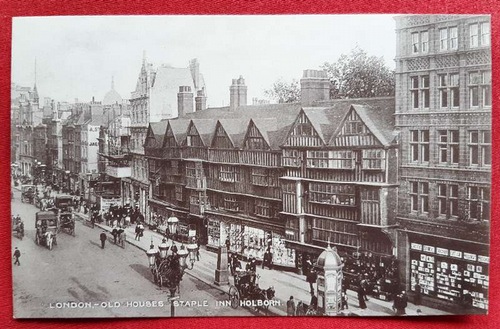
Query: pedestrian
(228,243)
(17,254)
(418,293)
(400,303)
(361,298)
(311,279)
(103,239)
(301,310)
(290,307)
(313,304)
(198,249)
(344,300)
(466,300)
(364,284)
(267,259)
(139,229)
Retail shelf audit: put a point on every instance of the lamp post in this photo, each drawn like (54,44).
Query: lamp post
(172,226)
(168,268)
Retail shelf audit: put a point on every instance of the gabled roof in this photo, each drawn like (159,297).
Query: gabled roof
(157,131)
(379,119)
(179,129)
(377,113)
(206,129)
(272,120)
(235,129)
(326,120)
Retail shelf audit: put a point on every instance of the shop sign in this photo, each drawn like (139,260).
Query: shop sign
(429,249)
(470,256)
(416,246)
(288,232)
(454,253)
(483,259)
(442,251)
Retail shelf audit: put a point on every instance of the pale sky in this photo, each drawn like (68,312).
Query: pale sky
(77,55)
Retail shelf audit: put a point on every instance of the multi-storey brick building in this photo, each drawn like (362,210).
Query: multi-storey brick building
(443,111)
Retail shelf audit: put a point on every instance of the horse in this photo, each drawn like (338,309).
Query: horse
(49,239)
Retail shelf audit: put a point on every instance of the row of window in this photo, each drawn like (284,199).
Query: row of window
(370,159)
(477,201)
(448,147)
(479,85)
(257,207)
(332,194)
(479,36)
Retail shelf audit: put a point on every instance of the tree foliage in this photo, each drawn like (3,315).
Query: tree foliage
(284,92)
(358,75)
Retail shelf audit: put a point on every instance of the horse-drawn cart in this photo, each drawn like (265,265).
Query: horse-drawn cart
(64,206)
(18,227)
(46,226)
(246,288)
(28,193)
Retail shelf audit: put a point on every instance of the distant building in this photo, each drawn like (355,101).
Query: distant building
(160,94)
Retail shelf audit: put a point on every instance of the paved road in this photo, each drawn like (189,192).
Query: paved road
(113,282)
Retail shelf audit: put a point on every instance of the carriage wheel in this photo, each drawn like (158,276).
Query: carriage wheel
(37,239)
(234,297)
(160,281)
(73,231)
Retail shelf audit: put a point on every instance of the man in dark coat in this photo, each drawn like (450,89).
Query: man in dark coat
(290,307)
(311,279)
(103,239)
(418,293)
(17,254)
(361,298)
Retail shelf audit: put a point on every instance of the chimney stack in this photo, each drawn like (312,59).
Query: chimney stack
(184,101)
(238,93)
(314,86)
(200,100)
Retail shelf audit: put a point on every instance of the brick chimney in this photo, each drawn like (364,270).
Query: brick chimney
(184,100)
(314,86)
(200,100)
(238,93)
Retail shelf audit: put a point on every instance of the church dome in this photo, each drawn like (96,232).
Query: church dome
(329,259)
(112,96)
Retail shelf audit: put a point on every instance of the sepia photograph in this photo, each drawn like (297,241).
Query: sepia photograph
(250,165)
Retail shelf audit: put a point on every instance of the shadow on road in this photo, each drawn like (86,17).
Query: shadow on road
(96,244)
(144,271)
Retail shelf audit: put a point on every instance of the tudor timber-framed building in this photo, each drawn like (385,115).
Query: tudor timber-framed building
(443,110)
(281,175)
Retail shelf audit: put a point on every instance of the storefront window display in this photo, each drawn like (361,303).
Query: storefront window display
(449,274)
(250,242)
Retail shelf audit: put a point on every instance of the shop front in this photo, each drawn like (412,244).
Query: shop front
(172,222)
(249,238)
(450,271)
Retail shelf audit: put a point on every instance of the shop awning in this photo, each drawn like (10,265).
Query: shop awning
(303,247)
(257,223)
(168,206)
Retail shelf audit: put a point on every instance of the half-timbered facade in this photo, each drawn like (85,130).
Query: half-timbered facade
(339,183)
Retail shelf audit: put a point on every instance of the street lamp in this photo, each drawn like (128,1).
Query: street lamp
(168,270)
(172,225)
(163,248)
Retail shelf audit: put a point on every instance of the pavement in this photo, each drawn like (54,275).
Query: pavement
(285,283)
